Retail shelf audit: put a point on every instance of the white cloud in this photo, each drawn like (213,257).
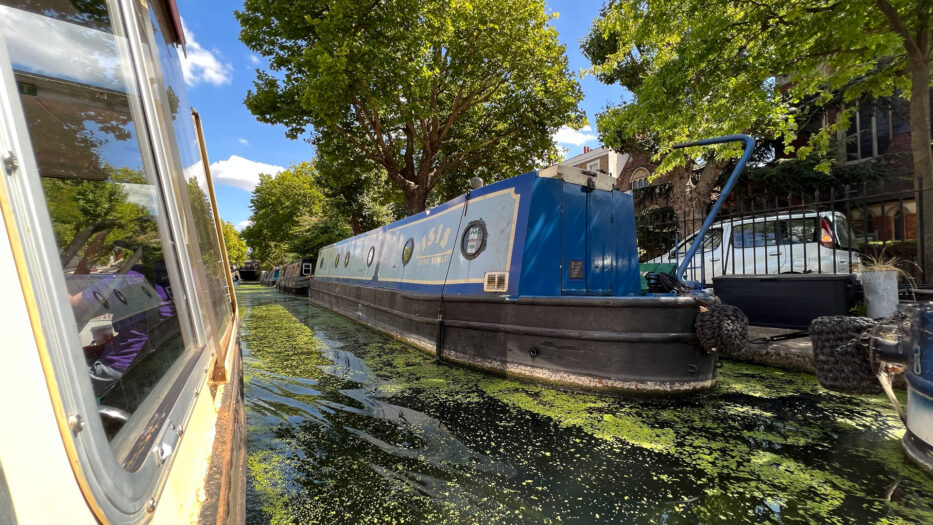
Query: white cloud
(577,137)
(243,142)
(254,60)
(240,172)
(242,224)
(201,65)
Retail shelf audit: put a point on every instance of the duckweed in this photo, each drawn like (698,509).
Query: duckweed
(349,426)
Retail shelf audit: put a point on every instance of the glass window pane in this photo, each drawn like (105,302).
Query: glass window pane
(180,124)
(105,206)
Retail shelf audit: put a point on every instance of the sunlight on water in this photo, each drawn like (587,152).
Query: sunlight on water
(348,426)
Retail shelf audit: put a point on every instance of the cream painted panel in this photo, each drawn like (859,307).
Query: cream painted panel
(41,481)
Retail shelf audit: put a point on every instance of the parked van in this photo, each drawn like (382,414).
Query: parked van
(800,242)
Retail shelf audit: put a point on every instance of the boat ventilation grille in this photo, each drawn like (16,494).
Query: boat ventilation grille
(496,282)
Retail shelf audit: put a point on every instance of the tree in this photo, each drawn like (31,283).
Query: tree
(356,188)
(236,246)
(699,68)
(426,89)
(278,204)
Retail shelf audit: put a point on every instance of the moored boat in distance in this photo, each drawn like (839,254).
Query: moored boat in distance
(123,383)
(294,277)
(250,271)
(535,276)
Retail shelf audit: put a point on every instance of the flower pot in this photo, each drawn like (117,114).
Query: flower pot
(880,292)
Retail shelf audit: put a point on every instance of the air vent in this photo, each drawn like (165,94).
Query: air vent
(496,282)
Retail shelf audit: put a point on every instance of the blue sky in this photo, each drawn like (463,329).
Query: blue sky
(220,69)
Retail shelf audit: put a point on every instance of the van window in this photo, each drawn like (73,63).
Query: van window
(712,241)
(844,233)
(754,235)
(83,115)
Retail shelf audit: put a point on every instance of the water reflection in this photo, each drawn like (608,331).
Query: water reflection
(347,426)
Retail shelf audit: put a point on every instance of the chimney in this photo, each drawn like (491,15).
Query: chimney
(586,149)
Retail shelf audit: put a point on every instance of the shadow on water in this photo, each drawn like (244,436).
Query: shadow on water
(349,426)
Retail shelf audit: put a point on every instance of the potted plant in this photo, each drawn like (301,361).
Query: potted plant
(879,278)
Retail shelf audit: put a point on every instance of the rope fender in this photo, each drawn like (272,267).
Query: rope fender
(721,328)
(841,356)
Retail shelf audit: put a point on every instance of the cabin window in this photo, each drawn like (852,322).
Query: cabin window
(407,250)
(306,268)
(473,241)
(346,259)
(105,206)
(370,256)
(202,240)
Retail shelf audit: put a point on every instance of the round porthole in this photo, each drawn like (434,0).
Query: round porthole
(473,241)
(370,256)
(346,260)
(337,260)
(408,250)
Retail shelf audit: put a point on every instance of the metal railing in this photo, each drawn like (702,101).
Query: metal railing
(833,232)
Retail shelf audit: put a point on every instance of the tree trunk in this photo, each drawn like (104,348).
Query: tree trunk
(690,200)
(356,224)
(415,198)
(923,157)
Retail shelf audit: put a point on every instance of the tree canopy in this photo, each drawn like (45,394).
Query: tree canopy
(236,247)
(291,217)
(426,89)
(701,68)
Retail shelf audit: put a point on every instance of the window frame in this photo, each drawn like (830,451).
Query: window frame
(114,493)
(639,178)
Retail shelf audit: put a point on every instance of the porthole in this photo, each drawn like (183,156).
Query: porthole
(408,250)
(473,241)
(337,260)
(346,260)
(370,256)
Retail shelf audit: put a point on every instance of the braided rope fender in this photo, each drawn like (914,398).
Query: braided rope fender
(841,357)
(721,328)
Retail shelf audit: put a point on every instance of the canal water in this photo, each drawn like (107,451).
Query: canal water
(349,426)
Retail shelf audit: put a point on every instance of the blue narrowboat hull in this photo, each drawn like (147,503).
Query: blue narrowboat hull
(535,276)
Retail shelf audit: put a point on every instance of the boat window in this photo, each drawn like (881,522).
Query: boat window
(337,260)
(178,123)
(473,241)
(346,259)
(407,250)
(370,256)
(306,268)
(105,206)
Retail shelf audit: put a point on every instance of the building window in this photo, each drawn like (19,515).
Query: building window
(873,126)
(640,178)
(592,166)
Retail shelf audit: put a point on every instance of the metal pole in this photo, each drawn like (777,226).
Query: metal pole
(749,146)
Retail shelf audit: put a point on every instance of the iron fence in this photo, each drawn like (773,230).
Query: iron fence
(837,231)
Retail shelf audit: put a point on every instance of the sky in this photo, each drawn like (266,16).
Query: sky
(219,70)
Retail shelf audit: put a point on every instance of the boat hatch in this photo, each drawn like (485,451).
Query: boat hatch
(588,244)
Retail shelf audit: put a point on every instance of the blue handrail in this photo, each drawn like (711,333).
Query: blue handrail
(749,146)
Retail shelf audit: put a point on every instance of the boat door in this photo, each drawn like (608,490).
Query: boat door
(587,241)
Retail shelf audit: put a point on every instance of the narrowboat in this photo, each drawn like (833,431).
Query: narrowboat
(269,277)
(295,276)
(122,383)
(250,271)
(536,276)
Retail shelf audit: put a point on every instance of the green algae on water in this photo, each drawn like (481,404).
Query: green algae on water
(389,435)
(281,343)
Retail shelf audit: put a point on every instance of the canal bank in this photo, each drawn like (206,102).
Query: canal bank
(349,426)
